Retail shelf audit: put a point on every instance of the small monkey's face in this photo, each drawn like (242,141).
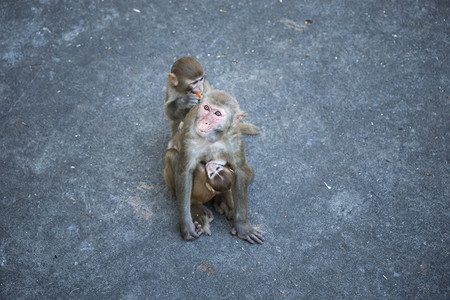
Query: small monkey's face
(196,86)
(213,168)
(212,118)
(221,177)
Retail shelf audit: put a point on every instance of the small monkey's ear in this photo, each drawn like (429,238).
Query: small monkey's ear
(172,79)
(209,187)
(240,117)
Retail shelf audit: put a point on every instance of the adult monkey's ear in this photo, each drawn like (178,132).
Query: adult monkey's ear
(238,118)
(172,79)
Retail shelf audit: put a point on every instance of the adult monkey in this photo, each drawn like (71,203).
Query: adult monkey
(211,132)
(186,84)
(210,180)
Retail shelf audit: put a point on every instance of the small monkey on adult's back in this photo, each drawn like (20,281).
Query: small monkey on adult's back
(186,85)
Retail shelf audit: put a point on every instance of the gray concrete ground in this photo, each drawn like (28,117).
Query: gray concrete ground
(352,172)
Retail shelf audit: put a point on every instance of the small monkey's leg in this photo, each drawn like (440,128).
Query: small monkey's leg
(170,160)
(201,216)
(223,204)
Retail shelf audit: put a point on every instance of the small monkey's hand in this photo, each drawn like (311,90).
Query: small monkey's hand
(245,231)
(190,231)
(191,100)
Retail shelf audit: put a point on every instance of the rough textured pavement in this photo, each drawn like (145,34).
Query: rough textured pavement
(352,165)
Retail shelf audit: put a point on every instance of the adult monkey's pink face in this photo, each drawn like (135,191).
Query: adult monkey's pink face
(211,118)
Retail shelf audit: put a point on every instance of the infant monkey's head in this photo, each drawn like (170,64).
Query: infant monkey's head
(221,177)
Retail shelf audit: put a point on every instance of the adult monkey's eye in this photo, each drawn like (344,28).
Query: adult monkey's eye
(206,107)
(218,113)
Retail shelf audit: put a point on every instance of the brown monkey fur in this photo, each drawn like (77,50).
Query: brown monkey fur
(209,178)
(207,182)
(185,82)
(211,131)
(186,78)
